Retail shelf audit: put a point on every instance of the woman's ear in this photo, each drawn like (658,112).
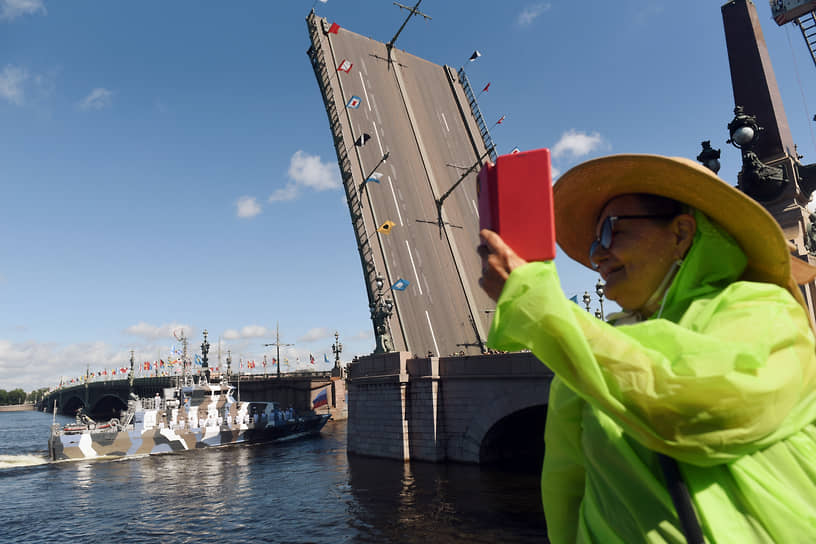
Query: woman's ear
(684,227)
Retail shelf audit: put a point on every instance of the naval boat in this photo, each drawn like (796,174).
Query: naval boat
(190,416)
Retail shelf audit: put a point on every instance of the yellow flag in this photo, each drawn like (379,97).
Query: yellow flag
(386,227)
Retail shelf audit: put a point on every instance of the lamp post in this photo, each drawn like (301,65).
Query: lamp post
(229,364)
(709,156)
(599,290)
(205,349)
(587,299)
(756,179)
(337,348)
(381,310)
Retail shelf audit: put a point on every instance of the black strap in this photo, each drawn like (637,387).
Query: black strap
(681,499)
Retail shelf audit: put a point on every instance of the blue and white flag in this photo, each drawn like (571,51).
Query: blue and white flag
(574,298)
(326,358)
(354,102)
(375,177)
(400,285)
(197,359)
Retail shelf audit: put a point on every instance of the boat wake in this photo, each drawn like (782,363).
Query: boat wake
(26,460)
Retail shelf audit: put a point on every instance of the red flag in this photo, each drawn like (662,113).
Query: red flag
(146,365)
(486,87)
(499,122)
(334,28)
(311,358)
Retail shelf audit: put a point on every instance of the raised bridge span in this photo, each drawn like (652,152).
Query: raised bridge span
(431,391)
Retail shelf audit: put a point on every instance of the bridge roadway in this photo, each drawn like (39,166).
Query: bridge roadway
(417,112)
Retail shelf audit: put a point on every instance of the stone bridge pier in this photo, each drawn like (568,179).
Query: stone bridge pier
(487,409)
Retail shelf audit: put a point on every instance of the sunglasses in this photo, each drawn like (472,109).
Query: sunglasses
(607,227)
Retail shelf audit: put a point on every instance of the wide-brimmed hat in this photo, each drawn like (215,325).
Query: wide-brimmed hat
(581,193)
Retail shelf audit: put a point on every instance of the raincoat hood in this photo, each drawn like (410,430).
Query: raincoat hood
(713,261)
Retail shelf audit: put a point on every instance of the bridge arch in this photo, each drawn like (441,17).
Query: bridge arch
(509,428)
(108,406)
(69,405)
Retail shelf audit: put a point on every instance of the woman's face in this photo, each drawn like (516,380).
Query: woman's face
(641,252)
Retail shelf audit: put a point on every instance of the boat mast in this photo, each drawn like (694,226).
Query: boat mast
(277,344)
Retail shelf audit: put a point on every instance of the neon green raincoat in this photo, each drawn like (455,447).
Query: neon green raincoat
(724,382)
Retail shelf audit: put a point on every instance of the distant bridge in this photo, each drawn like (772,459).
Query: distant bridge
(106,399)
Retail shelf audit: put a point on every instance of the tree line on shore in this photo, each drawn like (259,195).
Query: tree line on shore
(19,396)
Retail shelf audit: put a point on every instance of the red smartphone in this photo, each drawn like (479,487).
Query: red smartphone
(516,202)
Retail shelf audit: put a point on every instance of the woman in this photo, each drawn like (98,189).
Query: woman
(711,364)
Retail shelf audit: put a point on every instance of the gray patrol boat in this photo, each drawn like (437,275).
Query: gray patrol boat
(187,417)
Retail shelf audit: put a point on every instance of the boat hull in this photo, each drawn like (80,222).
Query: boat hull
(90,444)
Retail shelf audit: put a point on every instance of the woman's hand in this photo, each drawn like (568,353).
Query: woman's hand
(498,260)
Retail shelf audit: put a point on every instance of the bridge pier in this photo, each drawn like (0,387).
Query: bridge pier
(463,408)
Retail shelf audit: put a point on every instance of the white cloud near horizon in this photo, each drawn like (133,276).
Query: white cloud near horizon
(247,207)
(11,9)
(153,332)
(307,172)
(12,79)
(97,99)
(575,144)
(250,331)
(531,13)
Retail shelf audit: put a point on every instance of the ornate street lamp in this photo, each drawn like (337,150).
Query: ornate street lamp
(229,364)
(205,348)
(587,299)
(709,156)
(756,179)
(599,290)
(381,310)
(337,348)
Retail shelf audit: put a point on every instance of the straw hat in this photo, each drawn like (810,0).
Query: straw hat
(581,193)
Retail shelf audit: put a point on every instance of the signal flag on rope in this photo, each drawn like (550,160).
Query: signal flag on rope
(475,56)
(334,28)
(361,141)
(386,227)
(354,102)
(375,177)
(345,66)
(400,285)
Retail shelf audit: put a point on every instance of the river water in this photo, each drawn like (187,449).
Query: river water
(302,491)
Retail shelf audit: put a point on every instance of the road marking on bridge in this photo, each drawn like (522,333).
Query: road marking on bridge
(445,120)
(476,208)
(419,286)
(364,91)
(399,215)
(377,134)
(433,336)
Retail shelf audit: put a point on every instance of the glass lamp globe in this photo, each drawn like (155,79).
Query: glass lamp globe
(743,136)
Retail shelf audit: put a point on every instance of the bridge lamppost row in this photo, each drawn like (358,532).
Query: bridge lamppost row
(381,310)
(205,348)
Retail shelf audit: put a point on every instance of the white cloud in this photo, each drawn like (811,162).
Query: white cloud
(11,84)
(576,144)
(98,99)
(247,207)
(313,335)
(531,13)
(308,171)
(290,192)
(11,9)
(250,331)
(165,331)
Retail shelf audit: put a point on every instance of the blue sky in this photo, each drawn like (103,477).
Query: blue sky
(169,164)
